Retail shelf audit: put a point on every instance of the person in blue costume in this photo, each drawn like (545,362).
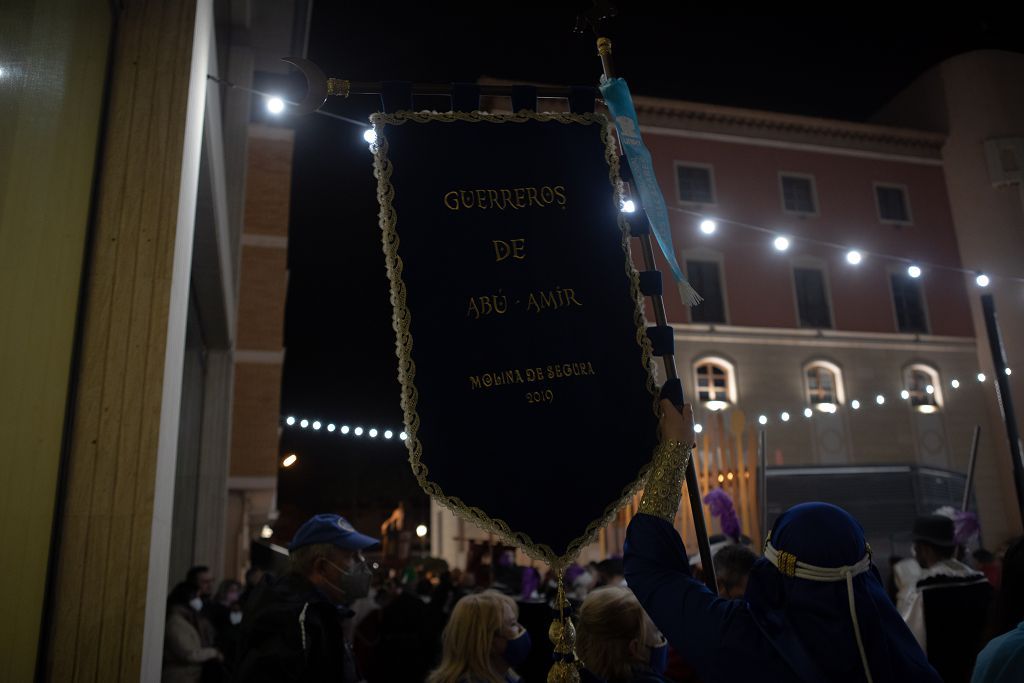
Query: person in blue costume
(815,609)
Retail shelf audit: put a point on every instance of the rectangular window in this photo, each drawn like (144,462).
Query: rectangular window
(798,194)
(695,184)
(909,304)
(812,298)
(892,203)
(703,275)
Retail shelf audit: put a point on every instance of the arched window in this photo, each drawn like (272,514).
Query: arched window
(823,385)
(715,382)
(923,389)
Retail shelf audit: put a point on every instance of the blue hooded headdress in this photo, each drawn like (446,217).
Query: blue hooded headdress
(816,596)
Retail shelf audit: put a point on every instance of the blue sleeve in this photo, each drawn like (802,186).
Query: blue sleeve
(692,618)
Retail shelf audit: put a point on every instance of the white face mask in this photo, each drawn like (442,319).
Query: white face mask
(236,618)
(196,603)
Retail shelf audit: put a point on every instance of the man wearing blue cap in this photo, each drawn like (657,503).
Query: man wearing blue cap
(293,626)
(814,609)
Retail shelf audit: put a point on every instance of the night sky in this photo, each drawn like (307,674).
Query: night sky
(341,363)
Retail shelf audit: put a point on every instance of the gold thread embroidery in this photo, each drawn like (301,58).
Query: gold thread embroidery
(664,487)
(401,322)
(787,563)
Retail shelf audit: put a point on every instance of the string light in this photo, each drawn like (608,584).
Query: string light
(853,257)
(914,272)
(982,280)
(289,460)
(275,105)
(713,406)
(628,206)
(781,243)
(708,226)
(370,135)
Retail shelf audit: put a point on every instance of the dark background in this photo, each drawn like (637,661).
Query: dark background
(340,363)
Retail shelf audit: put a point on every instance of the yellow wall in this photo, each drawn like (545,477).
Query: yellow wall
(54,57)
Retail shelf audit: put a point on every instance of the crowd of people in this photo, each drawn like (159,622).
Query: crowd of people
(810,605)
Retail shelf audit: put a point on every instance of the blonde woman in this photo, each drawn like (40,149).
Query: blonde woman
(616,640)
(482,641)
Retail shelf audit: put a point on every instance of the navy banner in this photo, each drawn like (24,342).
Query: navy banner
(526,373)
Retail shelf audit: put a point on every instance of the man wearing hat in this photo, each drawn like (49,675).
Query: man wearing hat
(947,609)
(293,626)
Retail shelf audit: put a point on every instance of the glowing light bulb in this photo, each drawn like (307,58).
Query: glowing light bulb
(275,105)
(708,226)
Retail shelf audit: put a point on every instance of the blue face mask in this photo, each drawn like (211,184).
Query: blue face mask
(517,649)
(659,657)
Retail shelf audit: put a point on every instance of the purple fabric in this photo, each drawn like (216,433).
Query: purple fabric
(965,525)
(722,507)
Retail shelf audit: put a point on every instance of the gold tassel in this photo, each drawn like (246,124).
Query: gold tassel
(562,633)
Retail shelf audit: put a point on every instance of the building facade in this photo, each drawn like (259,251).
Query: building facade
(874,359)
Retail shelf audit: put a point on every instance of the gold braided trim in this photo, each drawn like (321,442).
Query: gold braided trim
(402,322)
(787,563)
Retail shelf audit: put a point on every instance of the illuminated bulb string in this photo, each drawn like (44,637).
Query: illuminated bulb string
(343,429)
(983,279)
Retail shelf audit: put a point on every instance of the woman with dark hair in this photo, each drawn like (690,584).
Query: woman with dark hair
(184,649)
(1002,660)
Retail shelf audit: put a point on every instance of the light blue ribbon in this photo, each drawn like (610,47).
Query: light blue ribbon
(616,95)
